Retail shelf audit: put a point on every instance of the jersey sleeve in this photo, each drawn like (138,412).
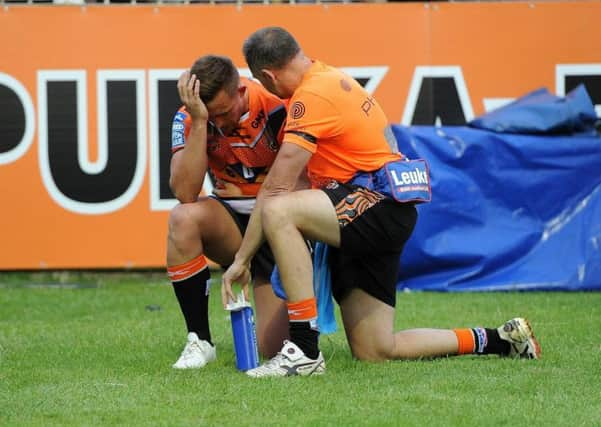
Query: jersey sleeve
(179,130)
(310,118)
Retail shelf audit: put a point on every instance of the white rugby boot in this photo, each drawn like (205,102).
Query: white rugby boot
(196,354)
(523,343)
(289,361)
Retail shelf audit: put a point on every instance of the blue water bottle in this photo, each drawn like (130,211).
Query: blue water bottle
(245,336)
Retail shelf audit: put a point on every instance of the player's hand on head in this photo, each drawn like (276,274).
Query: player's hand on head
(238,273)
(188,87)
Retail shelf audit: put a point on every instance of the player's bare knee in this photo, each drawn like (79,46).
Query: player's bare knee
(179,217)
(184,218)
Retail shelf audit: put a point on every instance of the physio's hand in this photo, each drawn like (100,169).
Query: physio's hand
(238,272)
(189,93)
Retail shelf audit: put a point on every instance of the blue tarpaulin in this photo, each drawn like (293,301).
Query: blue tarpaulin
(513,210)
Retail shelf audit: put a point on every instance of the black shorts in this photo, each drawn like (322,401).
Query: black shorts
(373,232)
(263,261)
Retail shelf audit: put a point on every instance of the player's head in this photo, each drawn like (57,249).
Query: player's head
(221,91)
(267,52)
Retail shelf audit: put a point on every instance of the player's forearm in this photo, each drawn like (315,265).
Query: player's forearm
(189,168)
(184,190)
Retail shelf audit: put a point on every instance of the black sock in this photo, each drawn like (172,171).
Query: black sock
(193,297)
(305,337)
(495,345)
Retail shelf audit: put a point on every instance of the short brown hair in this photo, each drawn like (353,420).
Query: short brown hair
(215,72)
(269,47)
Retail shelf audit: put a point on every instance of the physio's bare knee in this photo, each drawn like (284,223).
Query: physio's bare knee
(275,214)
(371,352)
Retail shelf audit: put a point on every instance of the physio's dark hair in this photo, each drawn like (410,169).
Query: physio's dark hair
(269,47)
(214,73)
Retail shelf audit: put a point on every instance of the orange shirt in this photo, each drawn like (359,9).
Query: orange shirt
(243,158)
(333,117)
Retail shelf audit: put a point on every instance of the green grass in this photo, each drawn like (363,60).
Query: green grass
(94,349)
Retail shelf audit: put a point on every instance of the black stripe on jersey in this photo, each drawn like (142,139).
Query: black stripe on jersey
(275,121)
(304,135)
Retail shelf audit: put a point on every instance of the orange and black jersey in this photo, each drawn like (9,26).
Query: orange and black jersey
(344,127)
(244,157)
